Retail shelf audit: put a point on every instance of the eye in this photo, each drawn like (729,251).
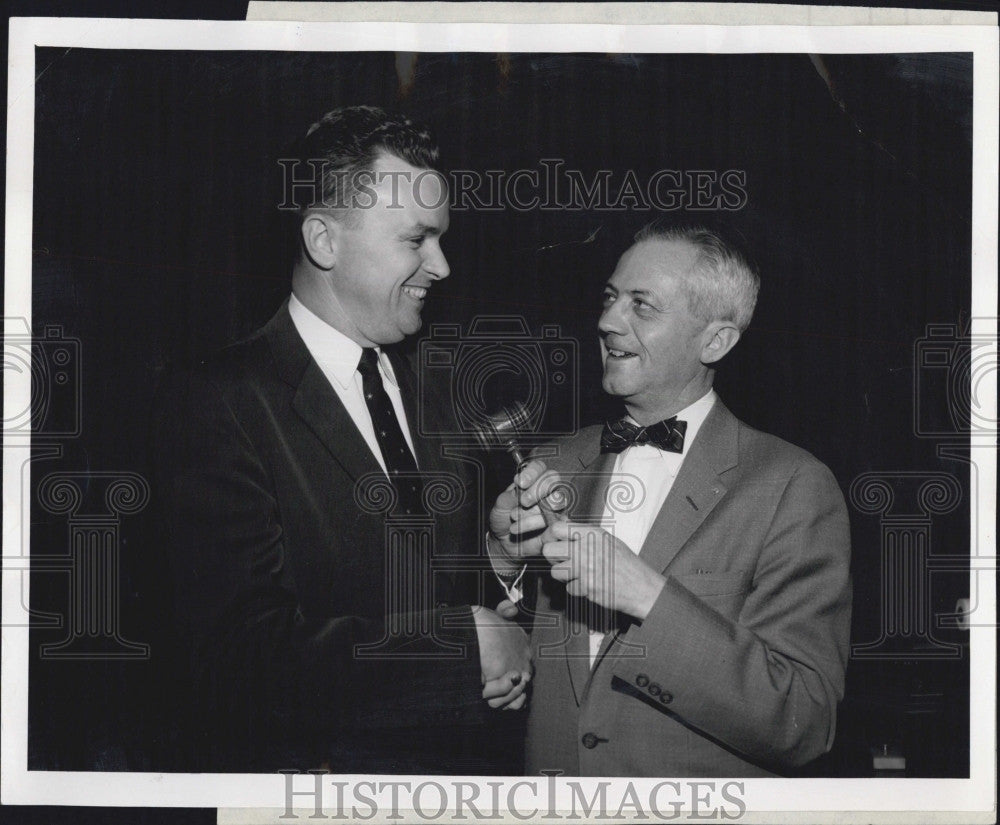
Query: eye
(642,307)
(608,298)
(417,241)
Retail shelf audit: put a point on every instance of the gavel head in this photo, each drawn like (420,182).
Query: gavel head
(502,429)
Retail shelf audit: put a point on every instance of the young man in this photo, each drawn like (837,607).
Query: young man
(323,624)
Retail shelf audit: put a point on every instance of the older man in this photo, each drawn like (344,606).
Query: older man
(325,622)
(693,607)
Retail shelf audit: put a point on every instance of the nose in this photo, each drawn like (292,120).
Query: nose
(435,263)
(611,321)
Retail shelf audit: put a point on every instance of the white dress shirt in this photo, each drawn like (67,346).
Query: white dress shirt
(338,357)
(652,472)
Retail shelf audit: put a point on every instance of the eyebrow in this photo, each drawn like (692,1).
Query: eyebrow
(420,229)
(635,293)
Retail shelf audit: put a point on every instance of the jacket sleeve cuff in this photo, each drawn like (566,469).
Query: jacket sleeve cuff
(666,679)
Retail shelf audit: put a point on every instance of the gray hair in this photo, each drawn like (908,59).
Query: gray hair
(723,285)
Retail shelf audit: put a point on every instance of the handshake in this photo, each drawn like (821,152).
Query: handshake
(504,652)
(505,659)
(590,561)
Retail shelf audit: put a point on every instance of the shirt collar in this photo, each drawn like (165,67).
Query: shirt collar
(336,354)
(694,414)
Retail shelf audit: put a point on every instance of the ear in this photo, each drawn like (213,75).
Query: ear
(320,236)
(720,337)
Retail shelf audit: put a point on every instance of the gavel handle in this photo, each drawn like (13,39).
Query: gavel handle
(550,515)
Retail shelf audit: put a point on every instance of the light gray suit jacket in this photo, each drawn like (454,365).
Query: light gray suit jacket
(738,668)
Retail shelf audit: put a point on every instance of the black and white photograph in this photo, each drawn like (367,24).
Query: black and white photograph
(436,421)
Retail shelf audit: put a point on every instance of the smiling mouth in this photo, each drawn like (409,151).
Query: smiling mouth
(619,354)
(417,293)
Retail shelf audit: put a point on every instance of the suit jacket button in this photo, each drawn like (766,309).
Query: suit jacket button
(666,698)
(589,741)
(642,680)
(655,689)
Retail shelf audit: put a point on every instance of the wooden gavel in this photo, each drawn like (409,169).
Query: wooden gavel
(501,431)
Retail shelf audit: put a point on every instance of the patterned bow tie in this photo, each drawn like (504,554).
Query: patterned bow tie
(667,435)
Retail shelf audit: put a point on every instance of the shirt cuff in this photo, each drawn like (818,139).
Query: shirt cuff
(513,589)
(510,581)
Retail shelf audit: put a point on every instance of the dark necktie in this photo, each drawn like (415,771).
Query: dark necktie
(667,435)
(399,461)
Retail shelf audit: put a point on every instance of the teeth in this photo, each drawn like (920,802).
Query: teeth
(617,353)
(417,292)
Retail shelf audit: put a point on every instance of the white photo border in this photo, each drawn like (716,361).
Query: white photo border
(969,798)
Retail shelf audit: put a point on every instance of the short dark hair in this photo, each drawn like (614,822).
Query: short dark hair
(347,141)
(724,284)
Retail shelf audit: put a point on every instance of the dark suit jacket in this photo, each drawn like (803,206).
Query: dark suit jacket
(280,575)
(738,668)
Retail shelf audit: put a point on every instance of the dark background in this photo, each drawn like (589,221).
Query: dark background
(157,240)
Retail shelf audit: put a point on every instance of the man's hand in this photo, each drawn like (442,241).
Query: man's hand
(505,659)
(516,522)
(509,692)
(597,566)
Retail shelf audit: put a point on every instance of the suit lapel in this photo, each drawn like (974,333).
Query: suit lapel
(320,407)
(315,401)
(697,489)
(591,486)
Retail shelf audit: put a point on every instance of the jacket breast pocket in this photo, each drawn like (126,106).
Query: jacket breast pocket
(723,592)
